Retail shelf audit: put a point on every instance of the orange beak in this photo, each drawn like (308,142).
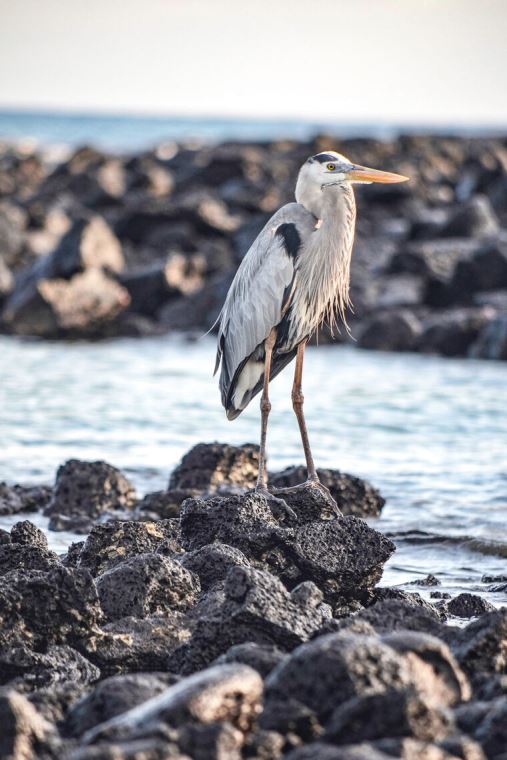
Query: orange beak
(366,175)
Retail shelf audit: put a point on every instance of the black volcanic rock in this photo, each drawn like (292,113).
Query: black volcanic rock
(146,584)
(208,467)
(469,605)
(353,496)
(113,542)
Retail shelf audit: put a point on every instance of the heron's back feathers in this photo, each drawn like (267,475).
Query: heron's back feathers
(257,301)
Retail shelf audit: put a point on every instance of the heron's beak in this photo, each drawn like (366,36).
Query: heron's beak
(364,174)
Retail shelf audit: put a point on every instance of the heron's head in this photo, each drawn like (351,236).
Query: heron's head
(330,171)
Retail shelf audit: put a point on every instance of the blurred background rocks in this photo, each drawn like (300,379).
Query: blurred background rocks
(98,245)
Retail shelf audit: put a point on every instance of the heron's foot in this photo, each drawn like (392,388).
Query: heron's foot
(312,483)
(279,506)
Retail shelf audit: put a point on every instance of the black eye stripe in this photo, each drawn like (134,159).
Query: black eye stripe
(324,158)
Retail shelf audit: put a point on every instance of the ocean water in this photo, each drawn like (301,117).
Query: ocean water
(124,132)
(430,433)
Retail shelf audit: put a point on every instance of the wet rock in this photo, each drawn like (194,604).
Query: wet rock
(133,645)
(115,541)
(161,505)
(144,585)
(24,732)
(391,331)
(38,608)
(212,562)
(481,647)
(469,605)
(326,552)
(429,580)
(473,219)
(209,467)
(326,672)
(353,496)
(29,671)
(15,499)
(453,332)
(114,696)
(85,490)
(85,306)
(261,657)
(393,713)
(230,693)
(491,342)
(400,614)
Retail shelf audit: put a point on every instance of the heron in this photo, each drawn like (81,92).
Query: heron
(294,277)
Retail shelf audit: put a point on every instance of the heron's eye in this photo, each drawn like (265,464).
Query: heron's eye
(331,167)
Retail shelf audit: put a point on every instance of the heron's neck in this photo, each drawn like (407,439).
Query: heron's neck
(325,261)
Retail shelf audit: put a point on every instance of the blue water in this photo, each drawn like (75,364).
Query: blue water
(128,132)
(429,432)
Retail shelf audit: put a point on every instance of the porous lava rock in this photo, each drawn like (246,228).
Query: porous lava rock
(144,585)
(212,562)
(117,540)
(40,608)
(353,496)
(324,551)
(86,490)
(261,657)
(469,605)
(27,549)
(25,734)
(230,693)
(15,499)
(256,608)
(114,696)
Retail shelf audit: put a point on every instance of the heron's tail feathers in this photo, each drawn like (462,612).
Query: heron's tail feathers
(248,381)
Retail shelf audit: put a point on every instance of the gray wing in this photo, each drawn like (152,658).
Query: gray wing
(258,296)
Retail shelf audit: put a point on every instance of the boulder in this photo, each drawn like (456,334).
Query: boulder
(160,505)
(469,605)
(40,608)
(353,496)
(328,671)
(475,219)
(491,342)
(229,693)
(86,490)
(210,467)
(114,696)
(481,647)
(115,541)
(28,671)
(85,306)
(261,657)
(322,551)
(25,733)
(453,332)
(15,499)
(151,287)
(136,645)
(388,714)
(256,608)
(391,331)
(212,562)
(147,584)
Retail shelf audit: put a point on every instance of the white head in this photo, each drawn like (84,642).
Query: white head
(331,172)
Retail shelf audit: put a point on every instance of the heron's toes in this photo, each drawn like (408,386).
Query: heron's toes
(279,506)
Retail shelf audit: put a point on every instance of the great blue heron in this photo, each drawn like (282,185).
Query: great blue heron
(295,275)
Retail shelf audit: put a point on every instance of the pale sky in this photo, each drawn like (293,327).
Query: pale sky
(401,61)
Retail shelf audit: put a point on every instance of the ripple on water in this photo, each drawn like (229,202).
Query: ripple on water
(429,432)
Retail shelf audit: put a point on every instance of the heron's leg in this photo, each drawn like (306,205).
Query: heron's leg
(262,480)
(297,404)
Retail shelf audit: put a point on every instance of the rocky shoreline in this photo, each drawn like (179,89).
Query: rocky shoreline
(204,621)
(96,245)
